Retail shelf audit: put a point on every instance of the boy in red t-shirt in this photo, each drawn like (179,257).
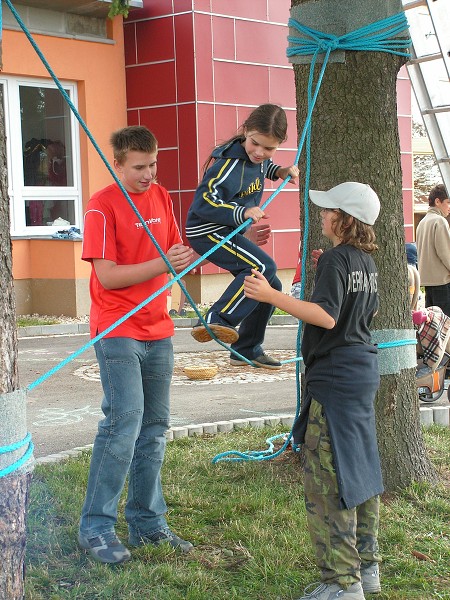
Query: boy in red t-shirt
(135,358)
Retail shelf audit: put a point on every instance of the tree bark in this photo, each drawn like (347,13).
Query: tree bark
(13,502)
(355,138)
(14,487)
(8,332)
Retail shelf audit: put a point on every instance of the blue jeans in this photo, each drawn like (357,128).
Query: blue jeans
(130,441)
(252,329)
(239,256)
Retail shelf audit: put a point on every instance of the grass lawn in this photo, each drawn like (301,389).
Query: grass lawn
(247,522)
(33,320)
(190,313)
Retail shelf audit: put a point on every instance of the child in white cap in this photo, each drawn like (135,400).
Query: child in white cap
(336,425)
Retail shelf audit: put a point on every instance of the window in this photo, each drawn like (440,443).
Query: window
(43,157)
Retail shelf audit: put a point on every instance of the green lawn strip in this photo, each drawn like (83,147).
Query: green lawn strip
(36,320)
(189,312)
(247,521)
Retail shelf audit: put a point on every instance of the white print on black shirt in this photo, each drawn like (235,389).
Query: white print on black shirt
(360,282)
(148,222)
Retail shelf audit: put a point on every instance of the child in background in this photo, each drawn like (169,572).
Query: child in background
(297,280)
(229,194)
(342,478)
(135,358)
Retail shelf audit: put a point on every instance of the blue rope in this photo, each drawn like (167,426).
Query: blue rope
(327,44)
(393,344)
(361,39)
(236,456)
(16,445)
(364,39)
(23,459)
(176,278)
(381,346)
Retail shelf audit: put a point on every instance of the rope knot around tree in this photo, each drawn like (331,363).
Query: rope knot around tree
(380,36)
(328,44)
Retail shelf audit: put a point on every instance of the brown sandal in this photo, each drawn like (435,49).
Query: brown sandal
(224,333)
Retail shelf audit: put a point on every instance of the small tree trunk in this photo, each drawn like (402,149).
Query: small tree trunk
(13,502)
(355,138)
(14,487)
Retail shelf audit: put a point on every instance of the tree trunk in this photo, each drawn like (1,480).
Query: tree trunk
(14,487)
(13,502)
(355,138)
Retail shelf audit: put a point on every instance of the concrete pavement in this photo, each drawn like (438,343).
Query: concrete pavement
(63,411)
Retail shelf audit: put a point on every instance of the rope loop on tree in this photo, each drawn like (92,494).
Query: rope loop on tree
(22,460)
(376,37)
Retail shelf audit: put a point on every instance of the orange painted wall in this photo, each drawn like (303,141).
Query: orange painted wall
(99,70)
(49,259)
(21,259)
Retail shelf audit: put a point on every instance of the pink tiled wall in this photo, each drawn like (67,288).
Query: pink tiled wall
(196,68)
(404,127)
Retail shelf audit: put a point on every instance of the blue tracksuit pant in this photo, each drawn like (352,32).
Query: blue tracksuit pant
(238,256)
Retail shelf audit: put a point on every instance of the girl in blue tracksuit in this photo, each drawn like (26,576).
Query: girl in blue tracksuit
(229,194)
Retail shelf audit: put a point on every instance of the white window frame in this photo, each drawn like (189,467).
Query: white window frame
(18,192)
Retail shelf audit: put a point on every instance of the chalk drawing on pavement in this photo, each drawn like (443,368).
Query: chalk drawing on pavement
(227,374)
(89,372)
(56,417)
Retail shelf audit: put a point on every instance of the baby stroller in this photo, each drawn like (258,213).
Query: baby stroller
(433,344)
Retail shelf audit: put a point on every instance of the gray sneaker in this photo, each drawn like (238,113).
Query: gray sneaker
(263,361)
(370,579)
(105,548)
(161,536)
(333,591)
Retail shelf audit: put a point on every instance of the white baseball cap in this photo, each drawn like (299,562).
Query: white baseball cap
(356,199)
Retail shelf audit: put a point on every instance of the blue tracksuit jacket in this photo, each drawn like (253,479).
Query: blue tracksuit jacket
(231,185)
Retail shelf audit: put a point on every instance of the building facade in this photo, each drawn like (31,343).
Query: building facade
(190,70)
(207,64)
(52,166)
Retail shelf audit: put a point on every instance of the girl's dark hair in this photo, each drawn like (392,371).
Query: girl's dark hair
(267,119)
(354,233)
(135,137)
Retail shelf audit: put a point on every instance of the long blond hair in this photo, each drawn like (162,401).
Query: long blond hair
(353,232)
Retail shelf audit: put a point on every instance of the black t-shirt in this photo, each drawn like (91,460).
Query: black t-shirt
(346,288)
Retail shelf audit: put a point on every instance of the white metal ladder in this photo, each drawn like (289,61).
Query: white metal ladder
(429,73)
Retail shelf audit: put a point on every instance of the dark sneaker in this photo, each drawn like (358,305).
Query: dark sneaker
(334,591)
(105,548)
(224,333)
(162,536)
(264,361)
(370,580)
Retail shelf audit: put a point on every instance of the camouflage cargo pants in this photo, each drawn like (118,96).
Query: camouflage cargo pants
(344,540)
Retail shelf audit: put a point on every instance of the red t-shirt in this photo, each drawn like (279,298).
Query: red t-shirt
(298,272)
(113,231)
